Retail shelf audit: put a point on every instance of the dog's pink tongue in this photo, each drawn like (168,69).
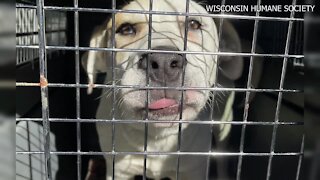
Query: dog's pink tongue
(162,103)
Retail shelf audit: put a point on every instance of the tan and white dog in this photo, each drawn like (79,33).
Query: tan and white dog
(165,69)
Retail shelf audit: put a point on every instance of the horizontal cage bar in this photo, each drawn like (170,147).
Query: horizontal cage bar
(167,153)
(163,121)
(161,51)
(101,86)
(225,16)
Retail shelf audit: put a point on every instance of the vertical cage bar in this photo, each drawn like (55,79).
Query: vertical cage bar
(300,158)
(185,46)
(283,75)
(29,149)
(113,44)
(41,156)
(212,94)
(44,87)
(77,75)
(247,98)
(146,130)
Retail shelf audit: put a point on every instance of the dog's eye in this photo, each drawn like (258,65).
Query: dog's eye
(194,24)
(126,29)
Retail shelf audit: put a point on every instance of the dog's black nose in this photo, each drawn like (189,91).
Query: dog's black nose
(163,67)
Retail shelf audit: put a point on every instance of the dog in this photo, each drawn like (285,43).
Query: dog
(164,104)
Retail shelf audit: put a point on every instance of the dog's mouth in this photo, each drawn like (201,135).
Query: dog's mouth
(164,109)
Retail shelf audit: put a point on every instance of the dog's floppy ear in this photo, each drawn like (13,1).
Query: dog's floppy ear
(96,61)
(231,66)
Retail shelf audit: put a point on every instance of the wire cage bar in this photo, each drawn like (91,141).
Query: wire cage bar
(39,48)
(246,109)
(283,74)
(28,32)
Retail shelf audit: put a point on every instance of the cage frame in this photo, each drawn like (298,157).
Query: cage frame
(44,85)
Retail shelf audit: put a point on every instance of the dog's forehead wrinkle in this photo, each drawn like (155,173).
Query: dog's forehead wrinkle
(167,35)
(189,41)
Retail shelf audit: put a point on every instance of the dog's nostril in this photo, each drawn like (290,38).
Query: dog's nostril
(174,64)
(154,65)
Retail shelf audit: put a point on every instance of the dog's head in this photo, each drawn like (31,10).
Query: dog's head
(165,67)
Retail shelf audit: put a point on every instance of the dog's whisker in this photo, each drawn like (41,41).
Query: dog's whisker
(217,105)
(108,93)
(116,101)
(105,94)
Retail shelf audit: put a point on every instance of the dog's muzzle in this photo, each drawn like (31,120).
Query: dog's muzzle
(163,68)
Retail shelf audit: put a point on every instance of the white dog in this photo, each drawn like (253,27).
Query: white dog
(165,70)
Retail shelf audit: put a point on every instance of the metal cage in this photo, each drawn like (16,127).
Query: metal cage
(39,25)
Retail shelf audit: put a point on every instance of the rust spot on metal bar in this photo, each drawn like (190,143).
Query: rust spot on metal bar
(43,81)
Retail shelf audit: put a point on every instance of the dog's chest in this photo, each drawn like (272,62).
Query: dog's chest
(160,149)
(130,142)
